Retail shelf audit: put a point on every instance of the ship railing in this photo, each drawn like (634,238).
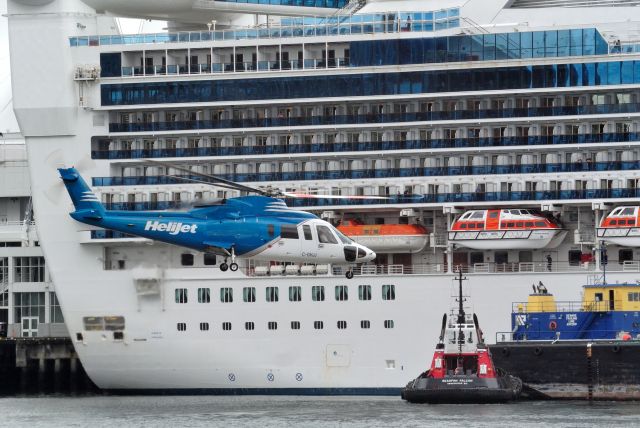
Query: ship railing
(338,25)
(545,335)
(565,306)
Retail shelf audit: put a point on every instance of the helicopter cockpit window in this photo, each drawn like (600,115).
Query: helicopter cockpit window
(343,238)
(289,231)
(306,229)
(325,236)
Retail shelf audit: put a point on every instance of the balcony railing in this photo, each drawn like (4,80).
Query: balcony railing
(295,27)
(379,173)
(373,118)
(363,146)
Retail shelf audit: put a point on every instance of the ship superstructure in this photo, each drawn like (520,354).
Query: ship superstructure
(521,109)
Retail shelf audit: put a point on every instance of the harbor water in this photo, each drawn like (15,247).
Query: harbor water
(278,411)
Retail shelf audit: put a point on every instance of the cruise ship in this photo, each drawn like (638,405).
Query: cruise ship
(497,137)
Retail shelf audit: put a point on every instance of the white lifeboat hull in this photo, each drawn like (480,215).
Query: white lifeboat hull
(393,243)
(508,239)
(623,236)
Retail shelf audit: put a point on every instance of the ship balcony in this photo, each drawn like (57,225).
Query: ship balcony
(374,118)
(235,67)
(341,174)
(361,146)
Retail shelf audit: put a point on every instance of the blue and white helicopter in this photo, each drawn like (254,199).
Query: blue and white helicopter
(260,226)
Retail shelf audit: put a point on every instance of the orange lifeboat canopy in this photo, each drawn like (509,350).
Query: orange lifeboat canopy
(387,238)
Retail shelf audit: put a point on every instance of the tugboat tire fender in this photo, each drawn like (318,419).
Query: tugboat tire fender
(537,351)
(616,349)
(505,351)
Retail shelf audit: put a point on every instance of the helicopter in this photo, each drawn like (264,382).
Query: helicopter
(260,226)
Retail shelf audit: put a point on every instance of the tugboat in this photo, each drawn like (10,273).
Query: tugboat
(462,370)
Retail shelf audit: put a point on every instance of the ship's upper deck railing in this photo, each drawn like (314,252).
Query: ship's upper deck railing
(392,22)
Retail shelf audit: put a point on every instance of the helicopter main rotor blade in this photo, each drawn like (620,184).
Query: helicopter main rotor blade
(230,184)
(316,196)
(195,180)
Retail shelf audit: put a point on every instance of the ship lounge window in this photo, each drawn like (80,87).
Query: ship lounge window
(249,294)
(342,325)
(342,292)
(209,259)
(182,326)
(93,323)
(317,293)
(272,325)
(249,325)
(295,294)
(272,294)
(204,326)
(325,236)
(226,294)
(634,296)
(318,325)
(365,324)
(364,292)
(307,232)
(226,326)
(186,259)
(389,292)
(388,324)
(289,231)
(114,323)
(295,325)
(625,255)
(181,295)
(204,295)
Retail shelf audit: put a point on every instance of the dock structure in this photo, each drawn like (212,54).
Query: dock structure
(41,365)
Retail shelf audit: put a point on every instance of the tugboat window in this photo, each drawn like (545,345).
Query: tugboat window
(295,294)
(181,295)
(389,292)
(342,293)
(226,295)
(317,293)
(272,294)
(364,292)
(249,294)
(204,295)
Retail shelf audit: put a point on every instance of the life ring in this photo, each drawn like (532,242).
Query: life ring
(537,351)
(506,351)
(553,325)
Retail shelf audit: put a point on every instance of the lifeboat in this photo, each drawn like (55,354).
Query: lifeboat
(621,227)
(387,238)
(462,370)
(506,229)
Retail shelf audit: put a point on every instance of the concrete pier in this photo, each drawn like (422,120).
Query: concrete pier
(41,365)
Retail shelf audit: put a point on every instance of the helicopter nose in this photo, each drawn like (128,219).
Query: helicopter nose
(365,254)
